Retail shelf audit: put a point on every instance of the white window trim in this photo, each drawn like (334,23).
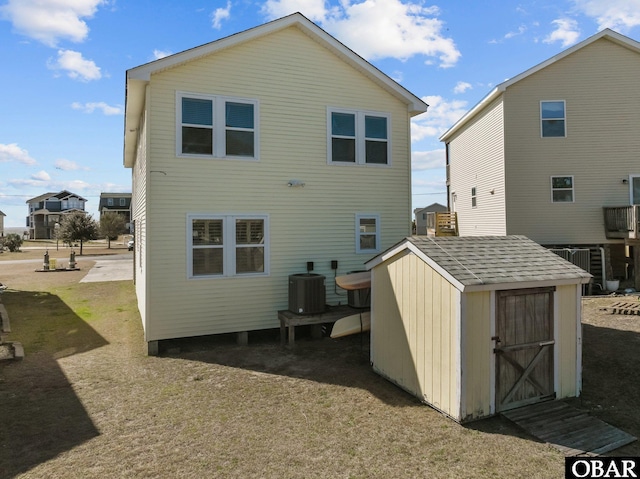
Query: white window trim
(573,188)
(360,138)
(219,134)
(229,245)
(564,118)
(376,217)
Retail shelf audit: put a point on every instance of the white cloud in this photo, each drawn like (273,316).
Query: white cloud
(427,160)
(12,152)
(41,176)
(68,165)
(378,28)
(220,14)
(158,54)
(566,32)
(76,67)
(440,116)
(520,31)
(461,87)
(93,106)
(49,21)
(619,15)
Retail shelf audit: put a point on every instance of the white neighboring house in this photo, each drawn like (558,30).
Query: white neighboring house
(252,156)
(553,152)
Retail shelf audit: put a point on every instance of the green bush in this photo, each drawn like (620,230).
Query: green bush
(12,242)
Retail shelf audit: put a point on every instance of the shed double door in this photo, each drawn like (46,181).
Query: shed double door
(524,347)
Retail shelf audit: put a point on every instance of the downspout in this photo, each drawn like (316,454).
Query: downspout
(604,269)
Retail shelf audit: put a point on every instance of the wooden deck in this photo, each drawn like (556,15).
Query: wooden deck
(570,430)
(623,307)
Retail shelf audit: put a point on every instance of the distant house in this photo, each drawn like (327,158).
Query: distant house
(422,216)
(552,154)
(254,158)
(2,215)
(119,203)
(46,210)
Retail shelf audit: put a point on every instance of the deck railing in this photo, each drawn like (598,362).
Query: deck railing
(622,221)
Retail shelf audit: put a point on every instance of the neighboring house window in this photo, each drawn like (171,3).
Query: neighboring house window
(217,127)
(109,201)
(358,137)
(474,197)
(227,245)
(552,118)
(367,233)
(562,189)
(424,216)
(123,202)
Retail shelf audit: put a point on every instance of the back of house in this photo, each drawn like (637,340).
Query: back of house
(273,152)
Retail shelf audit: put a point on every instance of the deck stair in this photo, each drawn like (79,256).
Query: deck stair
(446,224)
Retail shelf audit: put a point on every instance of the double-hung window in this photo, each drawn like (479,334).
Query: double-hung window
(216,126)
(358,137)
(553,119)
(562,189)
(227,245)
(367,233)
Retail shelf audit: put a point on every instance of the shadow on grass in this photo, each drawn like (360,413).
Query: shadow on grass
(40,414)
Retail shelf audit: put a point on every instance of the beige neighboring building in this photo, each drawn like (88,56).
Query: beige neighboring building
(553,152)
(251,157)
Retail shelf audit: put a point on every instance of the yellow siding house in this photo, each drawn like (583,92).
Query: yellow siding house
(477,325)
(251,157)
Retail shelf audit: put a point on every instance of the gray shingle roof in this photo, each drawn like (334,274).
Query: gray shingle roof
(476,260)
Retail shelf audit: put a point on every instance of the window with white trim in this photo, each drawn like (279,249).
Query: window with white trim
(367,233)
(358,137)
(562,189)
(227,245)
(109,201)
(553,119)
(217,127)
(123,201)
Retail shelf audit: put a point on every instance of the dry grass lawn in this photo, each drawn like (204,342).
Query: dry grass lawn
(87,402)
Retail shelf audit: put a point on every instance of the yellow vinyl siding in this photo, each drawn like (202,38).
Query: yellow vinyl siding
(600,86)
(477,160)
(477,355)
(415,338)
(294,80)
(567,361)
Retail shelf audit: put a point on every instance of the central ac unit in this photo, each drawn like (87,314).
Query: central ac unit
(307,293)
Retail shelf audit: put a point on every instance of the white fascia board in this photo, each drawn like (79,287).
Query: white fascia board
(524,284)
(414,104)
(410,247)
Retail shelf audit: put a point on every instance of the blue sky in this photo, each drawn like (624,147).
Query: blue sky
(64,62)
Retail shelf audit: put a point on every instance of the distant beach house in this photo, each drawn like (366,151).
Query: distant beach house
(48,209)
(422,217)
(119,203)
(255,157)
(552,154)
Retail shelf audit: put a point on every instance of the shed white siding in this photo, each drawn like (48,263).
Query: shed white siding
(294,79)
(476,157)
(599,84)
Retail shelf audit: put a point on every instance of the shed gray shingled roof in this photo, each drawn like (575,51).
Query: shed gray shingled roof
(476,260)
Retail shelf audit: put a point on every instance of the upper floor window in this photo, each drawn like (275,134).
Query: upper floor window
(227,245)
(216,126)
(562,189)
(358,137)
(474,197)
(109,201)
(552,118)
(367,233)
(123,202)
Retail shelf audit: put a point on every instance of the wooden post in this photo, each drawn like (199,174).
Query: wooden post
(242,338)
